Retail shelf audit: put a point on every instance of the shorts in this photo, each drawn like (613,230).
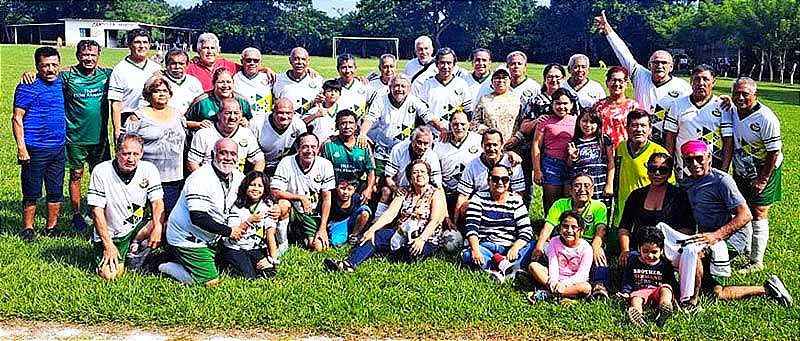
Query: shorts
(380,167)
(555,171)
(650,293)
(303,226)
(199,262)
(45,165)
(122,243)
(78,155)
(771,194)
(338,231)
(710,281)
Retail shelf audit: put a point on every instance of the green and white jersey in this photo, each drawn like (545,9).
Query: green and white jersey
(354,97)
(653,98)
(324,126)
(126,205)
(204,140)
(588,94)
(184,91)
(301,91)
(754,136)
(127,82)
(274,144)
(454,157)
(254,237)
(203,191)
(475,85)
(257,90)
(355,162)
(378,90)
(413,68)
(444,99)
(86,105)
(709,123)
(393,122)
(401,157)
(526,90)
(289,177)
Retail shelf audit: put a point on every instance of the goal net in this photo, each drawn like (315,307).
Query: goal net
(365,46)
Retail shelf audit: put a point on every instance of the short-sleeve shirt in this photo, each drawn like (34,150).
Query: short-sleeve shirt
(204,140)
(86,105)
(163,144)
(454,158)
(593,160)
(275,145)
(475,85)
(44,122)
(377,90)
(354,97)
(253,238)
(615,117)
(354,163)
(205,75)
(709,123)
(754,136)
(340,214)
(475,179)
(588,94)
(394,122)
(301,91)
(290,177)
(207,106)
(257,90)
(633,172)
(498,223)
(184,91)
(525,90)
(205,192)
(444,99)
(401,157)
(595,214)
(127,82)
(126,204)
(714,197)
(557,135)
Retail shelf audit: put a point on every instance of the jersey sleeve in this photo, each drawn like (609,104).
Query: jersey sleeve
(255,153)
(116,86)
(328,177)
(466,100)
(730,193)
(154,190)
(554,213)
(671,117)
(375,111)
(197,150)
(96,195)
(466,183)
(473,218)
(436,169)
(393,166)
(771,134)
(517,178)
(280,180)
(726,123)
(623,53)
(24,96)
(422,110)
(199,194)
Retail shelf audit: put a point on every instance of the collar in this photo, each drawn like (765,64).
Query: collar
(125,177)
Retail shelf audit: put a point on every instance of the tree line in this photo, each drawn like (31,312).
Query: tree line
(759,38)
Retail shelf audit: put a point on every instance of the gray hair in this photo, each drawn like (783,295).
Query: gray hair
(401,77)
(207,37)
(423,40)
(251,49)
(423,129)
(746,81)
(386,56)
(479,50)
(517,53)
(129,137)
(576,57)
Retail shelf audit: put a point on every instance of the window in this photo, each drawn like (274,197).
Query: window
(85,32)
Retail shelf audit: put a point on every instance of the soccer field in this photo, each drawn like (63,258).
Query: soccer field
(53,279)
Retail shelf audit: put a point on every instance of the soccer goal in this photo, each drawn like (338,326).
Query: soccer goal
(365,46)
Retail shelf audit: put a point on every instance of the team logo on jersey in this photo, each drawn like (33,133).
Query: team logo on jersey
(194,89)
(717,113)
(295,134)
(674,94)
(593,96)
(144,183)
(336,154)
(318,178)
(243,143)
(410,110)
(755,127)
(264,82)
(473,149)
(589,219)
(527,93)
(361,91)
(458,92)
(312,85)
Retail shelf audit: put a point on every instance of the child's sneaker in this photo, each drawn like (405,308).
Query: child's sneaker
(664,312)
(751,268)
(777,291)
(538,296)
(79,223)
(636,317)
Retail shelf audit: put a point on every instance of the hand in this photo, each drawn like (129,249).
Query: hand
(244,122)
(538,177)
(623,295)
(133,118)
(540,119)
(623,258)
(313,73)
(599,257)
(27,78)
(537,253)
(513,253)
(477,258)
(366,195)
(514,158)
(306,204)
(22,155)
(110,259)
(236,232)
(759,184)
(725,102)
(263,263)
(608,189)
(449,225)
(601,23)
(511,143)
(368,236)
(206,124)
(572,151)
(527,126)
(274,212)
(255,218)
(363,141)
(271,76)
(363,80)
(155,236)
(322,237)
(320,98)
(444,137)
(708,238)
(417,245)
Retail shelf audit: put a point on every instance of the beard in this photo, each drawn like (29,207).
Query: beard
(225,168)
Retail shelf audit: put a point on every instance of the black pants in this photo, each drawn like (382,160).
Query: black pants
(243,262)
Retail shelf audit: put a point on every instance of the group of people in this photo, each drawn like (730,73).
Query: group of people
(229,163)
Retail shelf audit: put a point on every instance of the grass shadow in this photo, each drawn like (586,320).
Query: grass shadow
(69,255)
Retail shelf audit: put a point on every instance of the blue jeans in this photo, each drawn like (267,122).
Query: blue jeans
(382,243)
(488,249)
(45,165)
(600,275)
(555,171)
(338,231)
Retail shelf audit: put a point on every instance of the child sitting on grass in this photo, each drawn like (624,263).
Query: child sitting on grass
(648,276)
(569,260)
(349,215)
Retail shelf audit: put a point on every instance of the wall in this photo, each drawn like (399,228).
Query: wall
(97,30)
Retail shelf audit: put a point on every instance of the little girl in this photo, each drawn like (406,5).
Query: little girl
(592,152)
(569,260)
(251,256)
(648,277)
(549,148)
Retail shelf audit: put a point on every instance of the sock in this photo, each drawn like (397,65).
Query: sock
(177,272)
(281,236)
(759,243)
(380,209)
(748,238)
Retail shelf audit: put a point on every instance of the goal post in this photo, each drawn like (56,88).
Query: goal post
(396,42)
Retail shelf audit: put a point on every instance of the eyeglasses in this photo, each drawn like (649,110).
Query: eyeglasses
(252,60)
(500,179)
(688,160)
(231,112)
(664,170)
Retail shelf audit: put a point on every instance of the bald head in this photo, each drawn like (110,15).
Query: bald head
(225,144)
(661,66)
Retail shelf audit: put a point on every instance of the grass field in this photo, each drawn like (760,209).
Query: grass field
(52,279)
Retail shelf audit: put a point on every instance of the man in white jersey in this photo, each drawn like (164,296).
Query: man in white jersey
(588,91)
(387,66)
(227,125)
(354,91)
(200,217)
(699,116)
(423,66)
(404,152)
(757,163)
(653,87)
(185,88)
(128,77)
(253,84)
(444,93)
(391,119)
(462,147)
(474,179)
(277,131)
(479,77)
(306,180)
(119,193)
(298,84)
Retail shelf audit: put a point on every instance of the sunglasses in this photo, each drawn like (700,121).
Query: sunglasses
(252,60)
(688,160)
(500,179)
(664,170)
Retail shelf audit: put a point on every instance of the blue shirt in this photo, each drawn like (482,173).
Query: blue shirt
(45,122)
(714,199)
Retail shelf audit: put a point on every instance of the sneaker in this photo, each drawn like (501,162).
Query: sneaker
(27,235)
(538,296)
(777,291)
(664,312)
(751,268)
(52,232)
(136,255)
(524,280)
(691,309)
(636,317)
(497,276)
(269,272)
(599,292)
(336,265)
(78,223)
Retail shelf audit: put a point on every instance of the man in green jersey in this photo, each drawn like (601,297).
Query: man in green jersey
(348,159)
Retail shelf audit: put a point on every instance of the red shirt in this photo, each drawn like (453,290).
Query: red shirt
(615,117)
(197,69)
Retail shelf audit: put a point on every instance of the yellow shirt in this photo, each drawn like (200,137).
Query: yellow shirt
(633,172)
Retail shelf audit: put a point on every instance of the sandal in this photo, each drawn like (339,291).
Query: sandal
(636,317)
(664,312)
(599,292)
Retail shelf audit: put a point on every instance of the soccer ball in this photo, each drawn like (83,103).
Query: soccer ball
(452,241)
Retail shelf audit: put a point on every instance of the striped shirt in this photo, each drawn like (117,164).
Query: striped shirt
(498,223)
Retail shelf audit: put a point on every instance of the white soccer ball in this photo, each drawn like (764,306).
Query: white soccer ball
(452,241)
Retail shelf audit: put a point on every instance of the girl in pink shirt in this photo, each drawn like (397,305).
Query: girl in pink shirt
(569,260)
(549,147)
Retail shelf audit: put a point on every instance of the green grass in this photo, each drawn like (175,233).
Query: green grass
(52,279)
